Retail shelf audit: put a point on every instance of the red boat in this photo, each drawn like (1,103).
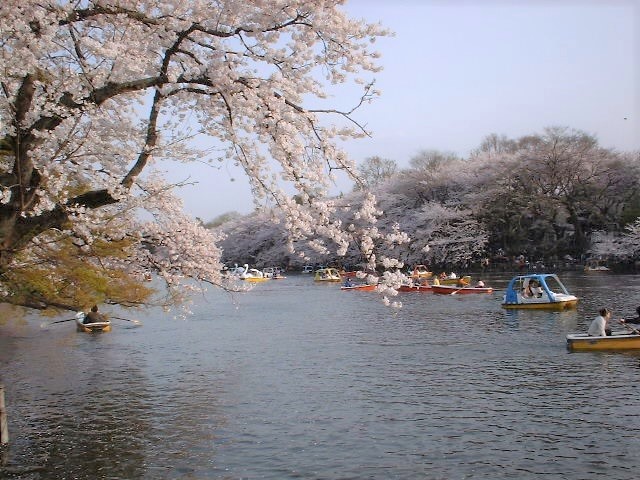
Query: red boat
(453,290)
(415,288)
(365,287)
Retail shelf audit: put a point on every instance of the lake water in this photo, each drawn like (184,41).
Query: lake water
(296,380)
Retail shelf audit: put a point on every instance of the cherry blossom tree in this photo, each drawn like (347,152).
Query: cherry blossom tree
(94,93)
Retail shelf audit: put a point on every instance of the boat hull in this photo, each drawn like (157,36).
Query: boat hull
(460,282)
(415,288)
(366,288)
(255,279)
(560,305)
(91,327)
(581,342)
(450,290)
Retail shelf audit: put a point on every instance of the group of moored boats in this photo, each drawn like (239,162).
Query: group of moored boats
(254,275)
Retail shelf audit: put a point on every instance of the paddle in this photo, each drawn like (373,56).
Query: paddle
(44,324)
(453,293)
(135,322)
(630,328)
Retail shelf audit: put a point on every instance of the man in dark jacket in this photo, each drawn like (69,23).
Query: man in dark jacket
(93,316)
(635,319)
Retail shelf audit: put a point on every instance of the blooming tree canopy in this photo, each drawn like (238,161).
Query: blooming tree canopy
(94,92)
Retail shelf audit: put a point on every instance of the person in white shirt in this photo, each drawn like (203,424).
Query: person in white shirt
(598,327)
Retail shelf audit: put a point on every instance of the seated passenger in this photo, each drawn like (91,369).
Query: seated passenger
(536,289)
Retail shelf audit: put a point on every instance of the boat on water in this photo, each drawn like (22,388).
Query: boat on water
(250,274)
(327,275)
(425,287)
(459,281)
(543,291)
(91,327)
(308,269)
(364,287)
(596,269)
(274,273)
(583,342)
(421,271)
(455,290)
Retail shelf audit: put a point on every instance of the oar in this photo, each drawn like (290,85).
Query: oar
(630,328)
(135,322)
(461,288)
(44,324)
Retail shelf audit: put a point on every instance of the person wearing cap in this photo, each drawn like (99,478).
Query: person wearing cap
(598,327)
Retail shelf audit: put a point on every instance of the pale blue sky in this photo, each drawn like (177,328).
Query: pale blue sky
(458,70)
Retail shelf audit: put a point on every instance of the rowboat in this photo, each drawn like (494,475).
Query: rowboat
(454,290)
(415,288)
(91,327)
(548,293)
(365,287)
(582,342)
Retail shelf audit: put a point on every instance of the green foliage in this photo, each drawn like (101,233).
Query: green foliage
(60,274)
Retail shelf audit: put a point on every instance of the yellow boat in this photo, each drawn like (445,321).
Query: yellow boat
(582,342)
(91,327)
(327,275)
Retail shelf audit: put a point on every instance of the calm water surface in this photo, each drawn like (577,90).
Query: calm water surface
(300,380)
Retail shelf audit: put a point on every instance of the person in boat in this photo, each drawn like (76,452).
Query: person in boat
(480,284)
(462,282)
(348,282)
(436,281)
(94,316)
(536,289)
(527,292)
(635,319)
(598,327)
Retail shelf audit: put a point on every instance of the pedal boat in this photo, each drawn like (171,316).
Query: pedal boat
(554,295)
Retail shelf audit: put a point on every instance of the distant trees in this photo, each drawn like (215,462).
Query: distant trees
(542,195)
(546,193)
(374,171)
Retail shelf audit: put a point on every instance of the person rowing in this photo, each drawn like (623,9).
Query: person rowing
(93,316)
(635,319)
